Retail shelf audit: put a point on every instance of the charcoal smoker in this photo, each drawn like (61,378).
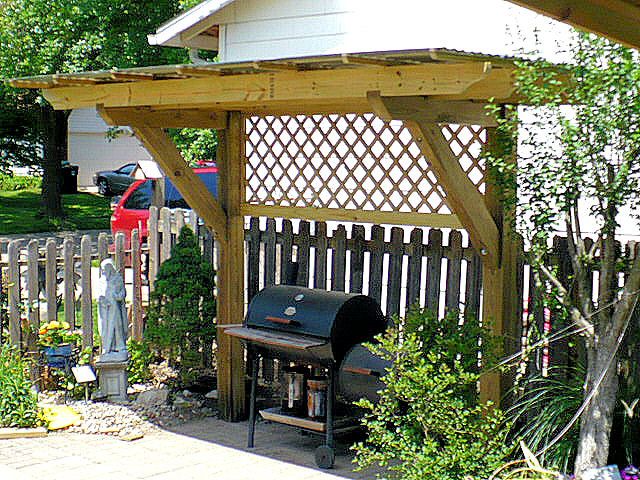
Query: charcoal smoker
(323,329)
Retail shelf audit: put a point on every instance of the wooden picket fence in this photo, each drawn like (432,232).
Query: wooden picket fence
(398,266)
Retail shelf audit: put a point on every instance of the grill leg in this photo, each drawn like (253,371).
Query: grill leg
(330,401)
(252,399)
(325,454)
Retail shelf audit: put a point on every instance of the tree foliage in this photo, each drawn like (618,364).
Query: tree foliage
(428,423)
(578,163)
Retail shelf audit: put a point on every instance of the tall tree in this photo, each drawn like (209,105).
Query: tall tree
(578,163)
(65,36)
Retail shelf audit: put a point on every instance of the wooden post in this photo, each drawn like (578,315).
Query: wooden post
(86,304)
(69,283)
(500,288)
(51,284)
(13,291)
(103,247)
(231,369)
(136,330)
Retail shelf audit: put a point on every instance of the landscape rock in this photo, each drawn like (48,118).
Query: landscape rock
(213,394)
(153,397)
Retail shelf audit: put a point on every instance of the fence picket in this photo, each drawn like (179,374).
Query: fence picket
(13,292)
(119,262)
(376,261)
(322,244)
(454,269)
(86,298)
(303,253)
(394,283)
(69,282)
(165,230)
(339,259)
(473,287)
(434,269)
(154,246)
(136,307)
(270,253)
(285,249)
(357,259)
(414,265)
(103,247)
(51,284)
(253,260)
(33,297)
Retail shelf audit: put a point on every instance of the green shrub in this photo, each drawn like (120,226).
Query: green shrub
(140,357)
(18,402)
(427,423)
(180,323)
(11,183)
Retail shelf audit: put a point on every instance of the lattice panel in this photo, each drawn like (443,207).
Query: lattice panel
(350,162)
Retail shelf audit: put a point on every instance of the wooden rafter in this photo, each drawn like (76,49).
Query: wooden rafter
(192,188)
(615,19)
(431,110)
(281,87)
(187,118)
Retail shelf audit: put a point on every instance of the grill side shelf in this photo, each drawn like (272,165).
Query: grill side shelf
(294,342)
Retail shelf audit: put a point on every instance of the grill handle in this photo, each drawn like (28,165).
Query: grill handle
(282,321)
(362,371)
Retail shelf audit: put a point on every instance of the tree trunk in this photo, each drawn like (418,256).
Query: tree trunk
(597,418)
(54,139)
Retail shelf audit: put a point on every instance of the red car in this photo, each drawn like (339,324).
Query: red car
(132,211)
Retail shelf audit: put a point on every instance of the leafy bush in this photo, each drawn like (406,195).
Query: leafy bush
(180,324)
(140,356)
(11,183)
(18,402)
(427,423)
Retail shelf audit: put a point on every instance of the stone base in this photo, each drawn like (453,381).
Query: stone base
(112,380)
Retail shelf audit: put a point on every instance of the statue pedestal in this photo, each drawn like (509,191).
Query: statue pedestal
(112,379)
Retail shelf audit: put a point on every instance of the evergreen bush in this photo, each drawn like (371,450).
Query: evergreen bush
(181,316)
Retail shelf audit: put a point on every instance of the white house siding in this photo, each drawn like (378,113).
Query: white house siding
(92,151)
(266,29)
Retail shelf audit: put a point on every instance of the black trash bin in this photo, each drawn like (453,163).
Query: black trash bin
(69,179)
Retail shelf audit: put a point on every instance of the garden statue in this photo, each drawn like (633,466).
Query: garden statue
(112,314)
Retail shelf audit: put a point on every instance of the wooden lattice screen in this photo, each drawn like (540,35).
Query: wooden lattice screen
(352,162)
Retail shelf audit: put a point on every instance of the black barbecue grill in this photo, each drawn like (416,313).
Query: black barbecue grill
(314,326)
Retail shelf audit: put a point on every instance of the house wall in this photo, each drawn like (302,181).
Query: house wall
(92,151)
(264,29)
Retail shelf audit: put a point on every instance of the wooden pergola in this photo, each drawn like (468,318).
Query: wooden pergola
(433,92)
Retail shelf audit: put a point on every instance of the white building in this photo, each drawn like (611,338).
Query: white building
(91,150)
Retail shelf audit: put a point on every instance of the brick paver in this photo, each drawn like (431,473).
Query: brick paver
(207,448)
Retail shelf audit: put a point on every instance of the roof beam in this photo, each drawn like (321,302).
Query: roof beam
(149,117)
(192,188)
(298,88)
(431,110)
(615,19)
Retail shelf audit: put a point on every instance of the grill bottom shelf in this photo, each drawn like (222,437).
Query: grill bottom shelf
(340,424)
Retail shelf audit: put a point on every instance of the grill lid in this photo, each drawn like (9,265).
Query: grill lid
(339,318)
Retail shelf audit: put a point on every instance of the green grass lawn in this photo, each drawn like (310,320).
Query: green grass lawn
(20,212)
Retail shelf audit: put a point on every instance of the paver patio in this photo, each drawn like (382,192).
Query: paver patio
(207,448)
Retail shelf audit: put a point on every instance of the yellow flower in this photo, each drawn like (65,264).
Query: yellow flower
(54,324)
(65,325)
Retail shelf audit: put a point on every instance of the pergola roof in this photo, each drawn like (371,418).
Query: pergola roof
(315,84)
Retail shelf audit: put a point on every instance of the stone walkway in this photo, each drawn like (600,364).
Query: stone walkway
(207,448)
